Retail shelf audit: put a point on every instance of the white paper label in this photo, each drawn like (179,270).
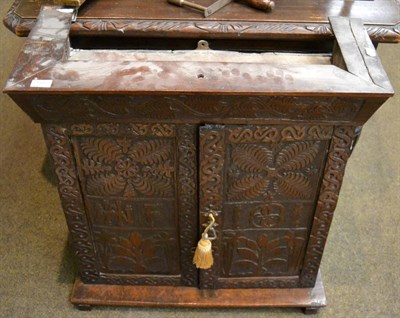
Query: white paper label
(65,10)
(41,83)
(370,51)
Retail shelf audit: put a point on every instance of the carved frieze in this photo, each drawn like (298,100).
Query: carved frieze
(192,107)
(273,133)
(130,129)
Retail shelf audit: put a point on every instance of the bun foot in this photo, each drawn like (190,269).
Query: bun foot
(310,310)
(84,307)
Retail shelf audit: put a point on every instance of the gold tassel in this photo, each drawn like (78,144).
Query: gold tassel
(203,257)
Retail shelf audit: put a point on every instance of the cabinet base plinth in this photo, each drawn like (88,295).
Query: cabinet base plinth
(171,296)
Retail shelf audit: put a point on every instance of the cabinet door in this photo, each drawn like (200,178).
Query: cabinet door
(261,183)
(140,190)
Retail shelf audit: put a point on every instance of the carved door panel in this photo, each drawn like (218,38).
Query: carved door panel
(139,189)
(261,182)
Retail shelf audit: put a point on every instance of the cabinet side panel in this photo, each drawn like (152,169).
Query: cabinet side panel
(340,150)
(61,154)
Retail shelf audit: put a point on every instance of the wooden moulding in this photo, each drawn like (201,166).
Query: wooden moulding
(73,3)
(289,20)
(51,62)
(190,297)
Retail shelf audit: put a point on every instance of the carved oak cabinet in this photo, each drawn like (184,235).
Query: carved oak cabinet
(145,144)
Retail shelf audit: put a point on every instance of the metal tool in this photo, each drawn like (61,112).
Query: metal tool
(265,5)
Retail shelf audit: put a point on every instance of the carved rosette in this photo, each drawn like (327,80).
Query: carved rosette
(124,168)
(61,153)
(340,150)
(212,154)
(260,171)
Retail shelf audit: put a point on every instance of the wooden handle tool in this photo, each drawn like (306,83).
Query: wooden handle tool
(265,5)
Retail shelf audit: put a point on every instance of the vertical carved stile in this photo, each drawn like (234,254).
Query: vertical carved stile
(187,194)
(341,146)
(61,153)
(212,153)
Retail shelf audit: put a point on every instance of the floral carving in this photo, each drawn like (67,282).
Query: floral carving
(267,215)
(263,172)
(137,254)
(121,167)
(263,256)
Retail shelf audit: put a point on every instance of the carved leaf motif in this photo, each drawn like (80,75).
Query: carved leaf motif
(248,252)
(122,251)
(129,191)
(100,150)
(151,152)
(296,156)
(319,28)
(105,184)
(294,184)
(223,27)
(164,169)
(92,167)
(249,187)
(153,185)
(252,158)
